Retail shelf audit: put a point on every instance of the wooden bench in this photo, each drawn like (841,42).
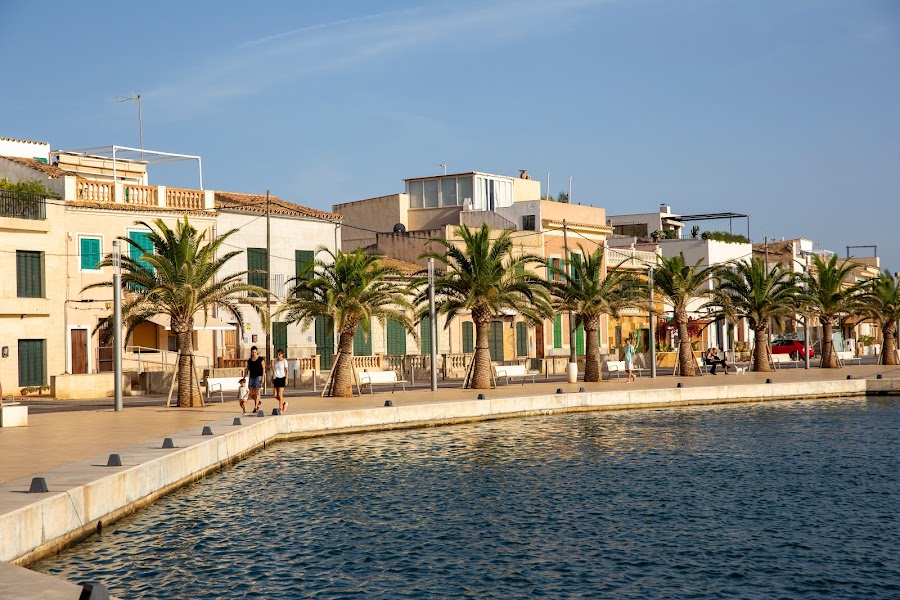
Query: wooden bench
(13,414)
(221,385)
(508,371)
(784,359)
(847,356)
(372,378)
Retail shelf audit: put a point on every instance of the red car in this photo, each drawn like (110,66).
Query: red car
(793,347)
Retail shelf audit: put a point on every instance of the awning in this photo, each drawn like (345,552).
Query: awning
(201,323)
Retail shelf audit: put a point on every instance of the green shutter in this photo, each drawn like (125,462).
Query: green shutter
(325,341)
(396,338)
(557,331)
(142,238)
(31,362)
(425,336)
(303,258)
(90,253)
(279,338)
(579,340)
(495,340)
(521,339)
(575,261)
(362,343)
(468,336)
(256,264)
(29,274)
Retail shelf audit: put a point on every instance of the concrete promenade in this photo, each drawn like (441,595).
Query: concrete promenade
(70,448)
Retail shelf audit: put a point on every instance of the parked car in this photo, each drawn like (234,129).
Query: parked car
(793,347)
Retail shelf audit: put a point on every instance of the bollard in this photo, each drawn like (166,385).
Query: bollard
(559,390)
(93,591)
(481,397)
(276,412)
(388,402)
(168,443)
(260,413)
(236,422)
(680,385)
(879,376)
(207,430)
(114,461)
(38,486)
(581,390)
(768,381)
(849,376)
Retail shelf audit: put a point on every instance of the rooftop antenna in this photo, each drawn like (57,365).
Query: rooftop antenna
(443,165)
(135,99)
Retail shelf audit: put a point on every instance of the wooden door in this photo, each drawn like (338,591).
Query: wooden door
(79,351)
(539,341)
(230,344)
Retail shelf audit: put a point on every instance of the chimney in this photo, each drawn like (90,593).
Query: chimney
(665,209)
(523,174)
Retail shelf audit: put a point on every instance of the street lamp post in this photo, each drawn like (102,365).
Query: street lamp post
(117,325)
(652,328)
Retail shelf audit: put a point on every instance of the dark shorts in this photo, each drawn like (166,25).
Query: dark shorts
(255,382)
(279,382)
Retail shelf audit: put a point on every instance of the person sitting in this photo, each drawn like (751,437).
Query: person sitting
(713,359)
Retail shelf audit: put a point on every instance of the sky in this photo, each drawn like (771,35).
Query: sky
(787,110)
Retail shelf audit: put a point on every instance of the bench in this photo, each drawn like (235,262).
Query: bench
(509,371)
(784,359)
(221,385)
(618,366)
(372,378)
(13,414)
(847,356)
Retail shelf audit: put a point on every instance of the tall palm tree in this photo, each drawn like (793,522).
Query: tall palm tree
(881,302)
(828,296)
(485,277)
(181,279)
(352,289)
(746,289)
(678,284)
(589,294)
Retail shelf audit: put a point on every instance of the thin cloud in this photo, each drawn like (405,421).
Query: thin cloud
(318,26)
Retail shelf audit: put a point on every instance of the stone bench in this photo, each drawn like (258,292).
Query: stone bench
(371,378)
(13,414)
(508,371)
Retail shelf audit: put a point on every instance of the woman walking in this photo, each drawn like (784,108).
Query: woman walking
(256,366)
(279,379)
(629,360)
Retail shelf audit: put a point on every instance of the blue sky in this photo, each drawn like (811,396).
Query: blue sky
(788,110)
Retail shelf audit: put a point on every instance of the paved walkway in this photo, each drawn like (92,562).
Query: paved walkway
(54,439)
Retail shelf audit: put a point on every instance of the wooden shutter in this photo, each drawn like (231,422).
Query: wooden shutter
(31,362)
(396,338)
(557,331)
(579,340)
(142,238)
(302,258)
(495,340)
(468,336)
(90,253)
(362,343)
(29,274)
(256,261)
(521,339)
(279,338)
(325,341)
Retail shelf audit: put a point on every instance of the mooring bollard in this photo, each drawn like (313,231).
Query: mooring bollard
(93,591)
(581,390)
(680,385)
(168,443)
(480,397)
(114,461)
(38,486)
(879,376)
(260,413)
(768,381)
(559,391)
(388,402)
(237,421)
(276,412)
(207,430)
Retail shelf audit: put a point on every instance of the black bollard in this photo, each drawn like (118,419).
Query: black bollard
(207,430)
(260,413)
(93,591)
(768,381)
(168,443)
(276,412)
(114,461)
(237,421)
(480,397)
(388,403)
(680,385)
(38,486)
(581,390)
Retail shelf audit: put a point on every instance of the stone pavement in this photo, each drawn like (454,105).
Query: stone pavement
(55,439)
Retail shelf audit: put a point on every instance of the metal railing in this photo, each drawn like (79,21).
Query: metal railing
(144,357)
(22,205)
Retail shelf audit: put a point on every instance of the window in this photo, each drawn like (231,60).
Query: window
(528,223)
(416,193)
(29,274)
(279,337)
(579,340)
(425,337)
(302,260)
(495,340)
(521,339)
(324,332)
(89,250)
(557,331)
(431,193)
(256,264)
(32,358)
(362,342)
(464,189)
(145,246)
(449,196)
(396,338)
(575,261)
(468,337)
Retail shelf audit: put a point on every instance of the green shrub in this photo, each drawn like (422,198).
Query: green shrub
(724,236)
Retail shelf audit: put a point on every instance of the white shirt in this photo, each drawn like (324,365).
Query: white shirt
(243,392)
(280,368)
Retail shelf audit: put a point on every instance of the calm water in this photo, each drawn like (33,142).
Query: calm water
(782,500)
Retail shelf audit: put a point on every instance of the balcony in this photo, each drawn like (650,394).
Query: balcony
(22,205)
(151,196)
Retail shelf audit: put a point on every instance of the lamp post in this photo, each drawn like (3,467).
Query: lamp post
(652,328)
(117,326)
(432,325)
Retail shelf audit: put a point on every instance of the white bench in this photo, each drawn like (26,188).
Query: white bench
(847,356)
(508,371)
(13,414)
(618,366)
(784,359)
(221,385)
(370,378)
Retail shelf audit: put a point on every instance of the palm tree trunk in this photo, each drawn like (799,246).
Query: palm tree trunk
(829,358)
(761,349)
(687,364)
(481,371)
(592,352)
(188,388)
(888,343)
(342,386)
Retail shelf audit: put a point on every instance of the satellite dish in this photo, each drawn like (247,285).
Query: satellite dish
(399,228)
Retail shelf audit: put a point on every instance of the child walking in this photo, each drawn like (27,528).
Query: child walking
(243,394)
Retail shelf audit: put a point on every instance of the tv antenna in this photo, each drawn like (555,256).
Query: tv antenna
(443,165)
(135,99)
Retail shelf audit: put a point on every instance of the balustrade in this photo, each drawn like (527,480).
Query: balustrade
(184,199)
(145,195)
(95,191)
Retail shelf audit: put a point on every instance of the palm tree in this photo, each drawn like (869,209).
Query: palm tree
(828,296)
(352,289)
(484,277)
(679,283)
(881,301)
(746,289)
(588,294)
(180,279)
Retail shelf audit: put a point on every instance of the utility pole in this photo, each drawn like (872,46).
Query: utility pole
(570,266)
(117,325)
(432,325)
(652,329)
(268,282)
